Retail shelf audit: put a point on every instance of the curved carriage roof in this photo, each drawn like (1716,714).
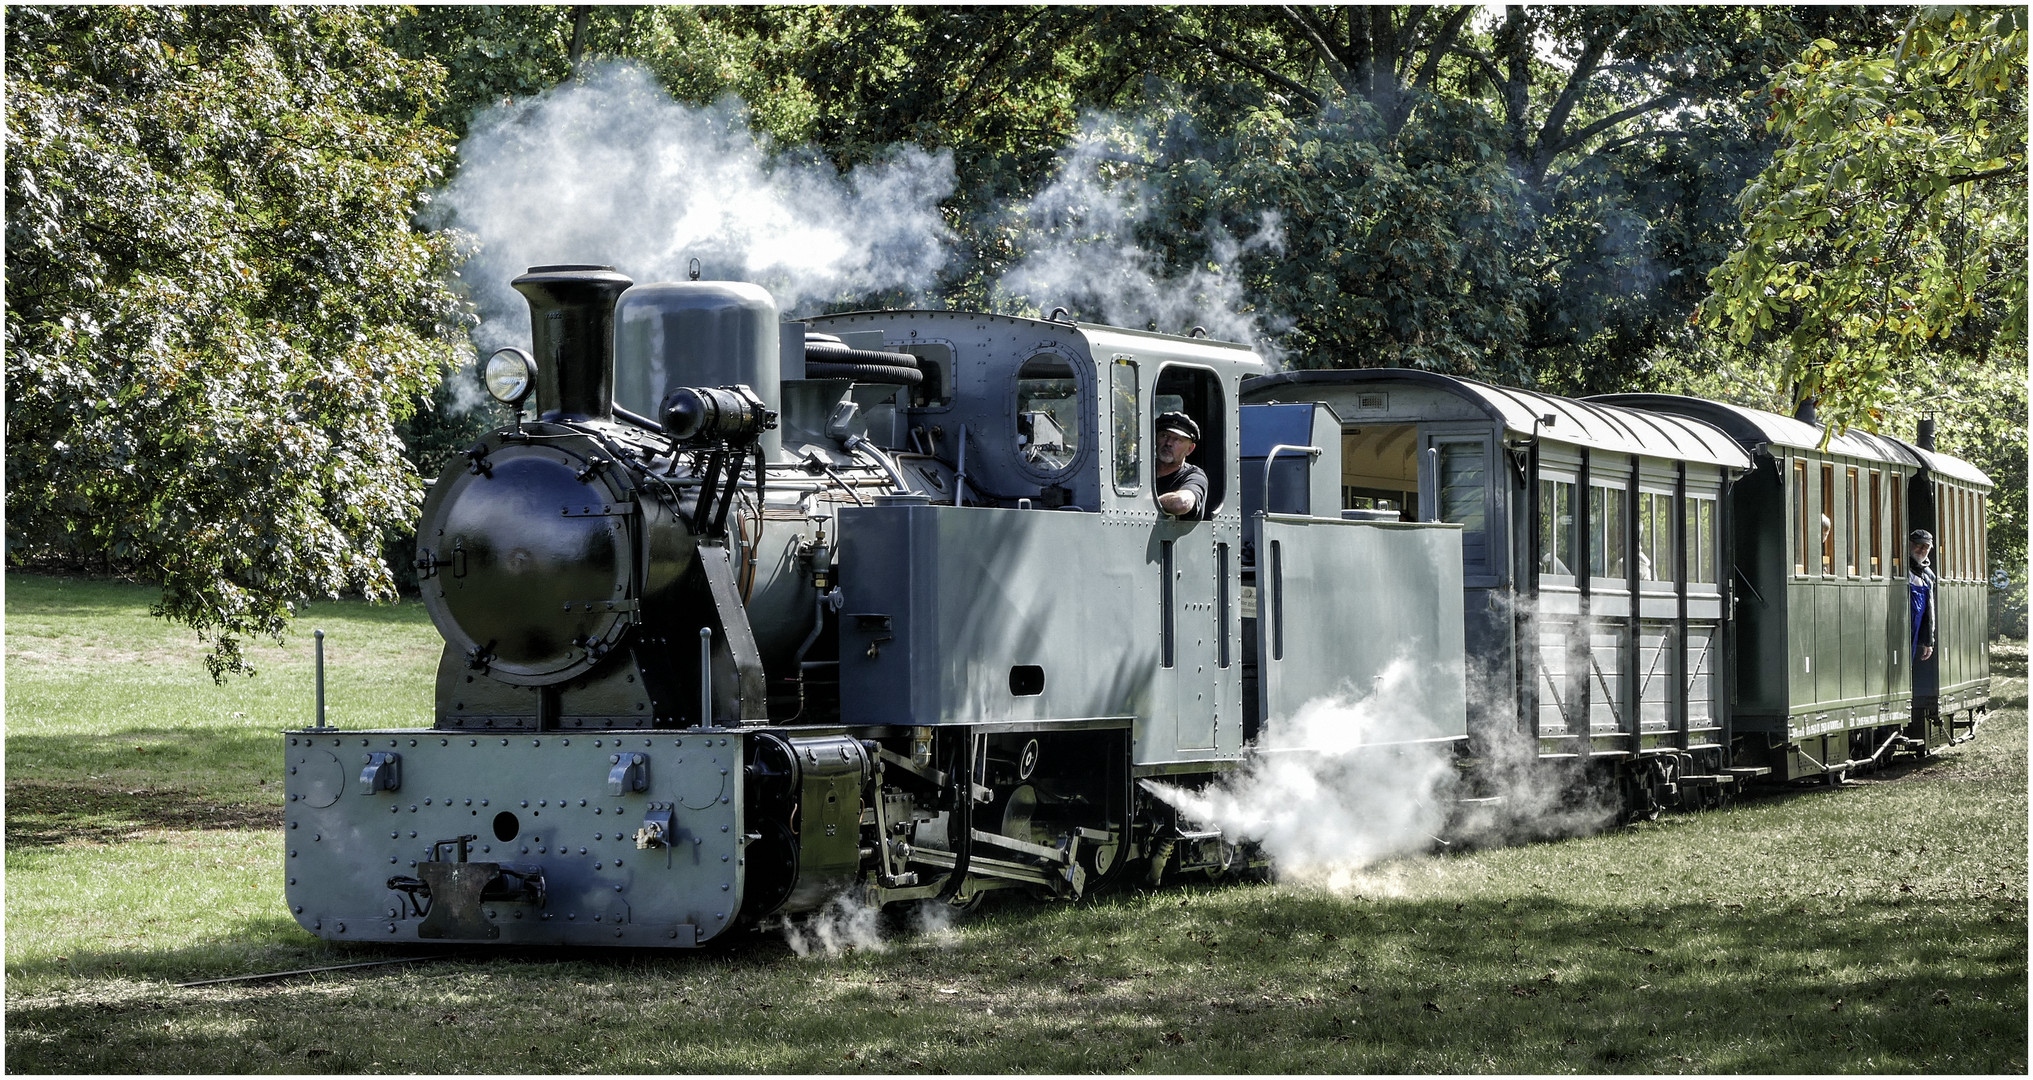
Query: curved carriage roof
(1594,424)
(1751,427)
(1100,337)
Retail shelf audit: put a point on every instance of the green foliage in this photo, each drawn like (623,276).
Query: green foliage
(1400,249)
(1888,234)
(217,307)
(500,52)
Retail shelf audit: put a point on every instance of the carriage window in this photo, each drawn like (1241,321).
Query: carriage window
(1463,477)
(1048,413)
(1969,536)
(1962,536)
(1898,494)
(1827,519)
(1954,499)
(1972,533)
(1983,538)
(1803,533)
(1556,528)
(1655,536)
(1955,524)
(1701,543)
(1877,524)
(1854,539)
(1123,411)
(1605,531)
(1944,531)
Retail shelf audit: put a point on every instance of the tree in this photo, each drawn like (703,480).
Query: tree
(1577,166)
(217,306)
(1888,235)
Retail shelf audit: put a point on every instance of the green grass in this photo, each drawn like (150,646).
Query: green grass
(1879,928)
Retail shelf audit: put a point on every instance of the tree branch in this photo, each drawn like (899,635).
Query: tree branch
(1316,35)
(1618,144)
(2016,171)
(1407,34)
(1443,43)
(1584,69)
(1610,121)
(1294,87)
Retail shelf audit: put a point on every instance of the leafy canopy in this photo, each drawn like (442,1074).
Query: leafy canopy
(1888,233)
(217,307)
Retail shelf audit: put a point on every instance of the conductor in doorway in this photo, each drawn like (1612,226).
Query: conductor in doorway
(1921,583)
(1181,485)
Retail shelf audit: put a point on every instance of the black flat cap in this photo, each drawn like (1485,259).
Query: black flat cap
(1179,422)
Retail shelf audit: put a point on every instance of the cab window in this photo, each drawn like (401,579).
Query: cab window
(1123,413)
(1196,392)
(1048,413)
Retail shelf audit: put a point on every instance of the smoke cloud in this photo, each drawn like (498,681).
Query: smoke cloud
(1328,794)
(613,171)
(844,923)
(1081,246)
(1533,799)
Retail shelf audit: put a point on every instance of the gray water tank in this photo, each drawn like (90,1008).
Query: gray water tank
(696,333)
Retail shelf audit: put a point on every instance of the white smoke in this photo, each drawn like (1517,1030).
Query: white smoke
(1080,247)
(842,923)
(1328,793)
(846,922)
(612,171)
(1535,799)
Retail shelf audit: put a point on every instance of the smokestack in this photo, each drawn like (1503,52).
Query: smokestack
(571,324)
(1924,436)
(1804,410)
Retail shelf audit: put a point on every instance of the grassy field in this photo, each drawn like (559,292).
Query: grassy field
(1878,928)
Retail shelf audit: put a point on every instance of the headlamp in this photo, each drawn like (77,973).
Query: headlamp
(510,374)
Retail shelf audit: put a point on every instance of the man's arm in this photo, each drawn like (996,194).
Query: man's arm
(1186,499)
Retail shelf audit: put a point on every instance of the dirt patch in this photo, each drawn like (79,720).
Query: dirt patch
(46,814)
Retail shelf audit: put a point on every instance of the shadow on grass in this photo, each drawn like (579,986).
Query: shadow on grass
(32,594)
(63,789)
(1239,978)
(44,813)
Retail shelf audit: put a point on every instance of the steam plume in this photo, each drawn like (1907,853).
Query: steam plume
(844,923)
(1081,248)
(613,171)
(1329,794)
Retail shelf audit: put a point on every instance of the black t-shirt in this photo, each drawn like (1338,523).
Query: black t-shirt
(1187,477)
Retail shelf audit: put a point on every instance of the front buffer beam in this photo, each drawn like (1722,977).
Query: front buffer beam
(632,839)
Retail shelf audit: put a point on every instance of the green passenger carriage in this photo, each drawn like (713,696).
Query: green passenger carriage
(1826,675)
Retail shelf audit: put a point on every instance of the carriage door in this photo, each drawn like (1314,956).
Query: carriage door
(1198,570)
(1455,474)
(1459,473)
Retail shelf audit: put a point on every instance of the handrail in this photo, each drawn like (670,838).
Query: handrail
(1312,452)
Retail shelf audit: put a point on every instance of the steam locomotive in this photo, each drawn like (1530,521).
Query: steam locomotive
(741,614)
